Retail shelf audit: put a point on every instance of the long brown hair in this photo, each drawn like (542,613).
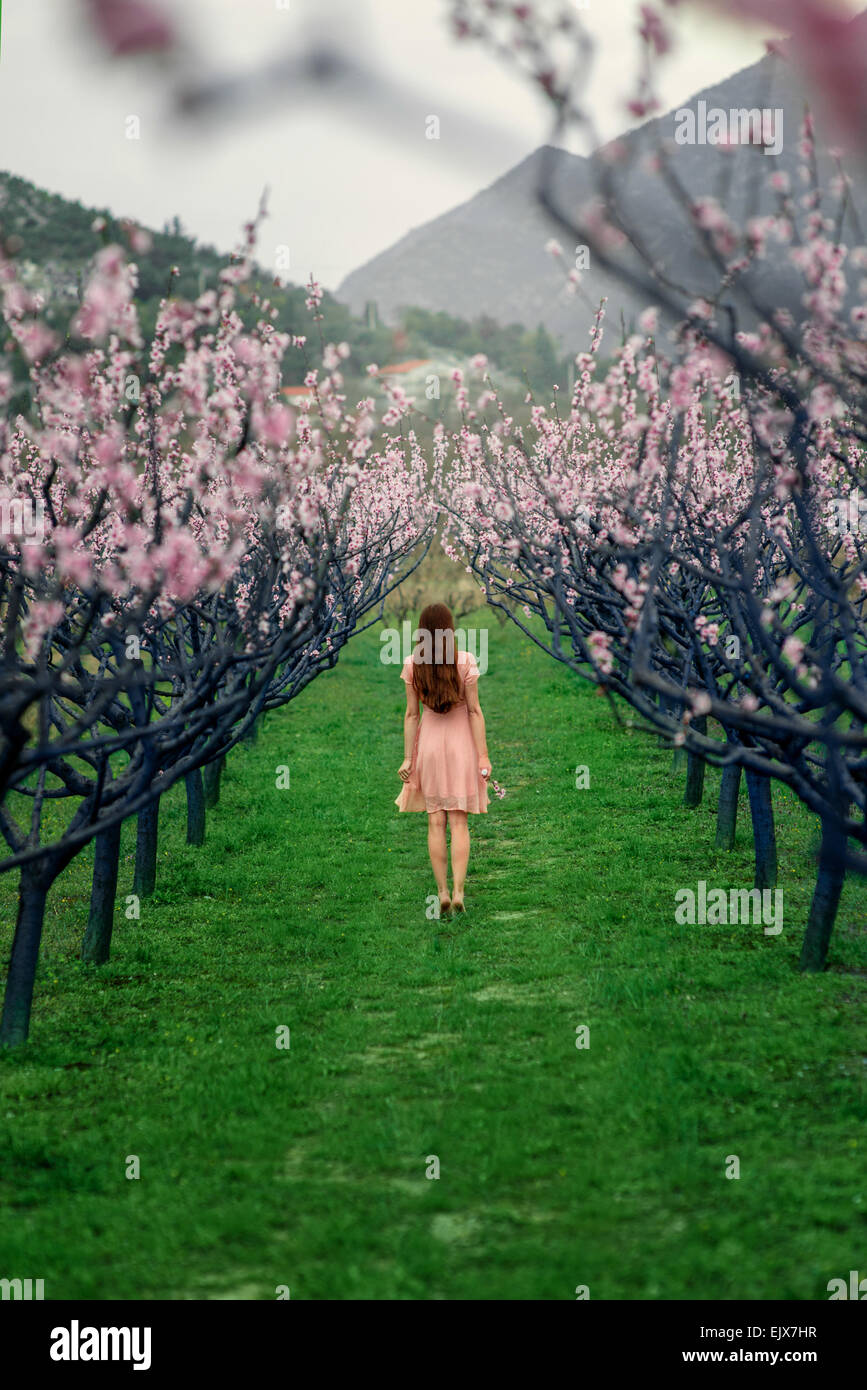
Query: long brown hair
(434,666)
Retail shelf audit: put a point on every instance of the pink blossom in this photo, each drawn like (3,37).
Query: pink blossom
(652,29)
(793,650)
(599,648)
(42,617)
(130,26)
(277,425)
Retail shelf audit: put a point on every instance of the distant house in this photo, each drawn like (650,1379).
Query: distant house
(300,396)
(402,368)
(418,377)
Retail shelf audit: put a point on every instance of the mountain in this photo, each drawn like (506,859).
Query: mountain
(488,257)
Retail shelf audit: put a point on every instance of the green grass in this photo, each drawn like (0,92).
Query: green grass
(409,1037)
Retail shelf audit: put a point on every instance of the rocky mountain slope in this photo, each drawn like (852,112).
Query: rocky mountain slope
(488,255)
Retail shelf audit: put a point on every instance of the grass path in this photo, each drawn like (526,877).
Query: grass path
(559,1167)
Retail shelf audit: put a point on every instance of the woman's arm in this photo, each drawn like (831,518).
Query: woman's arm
(410,729)
(477,724)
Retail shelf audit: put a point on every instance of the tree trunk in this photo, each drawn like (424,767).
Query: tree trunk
(665,708)
(252,734)
(195,808)
(96,946)
(147,836)
(32,893)
(678,756)
(826,898)
(764,834)
(727,809)
(695,766)
(211,774)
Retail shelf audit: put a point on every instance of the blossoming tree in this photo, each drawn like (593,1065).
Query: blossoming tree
(682,525)
(199,553)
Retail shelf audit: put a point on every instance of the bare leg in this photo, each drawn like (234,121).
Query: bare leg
(438,850)
(460,852)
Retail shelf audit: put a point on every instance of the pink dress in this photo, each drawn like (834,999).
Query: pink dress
(445,765)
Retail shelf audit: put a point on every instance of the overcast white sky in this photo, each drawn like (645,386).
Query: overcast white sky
(344,184)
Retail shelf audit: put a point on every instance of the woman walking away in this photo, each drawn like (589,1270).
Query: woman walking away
(446,768)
